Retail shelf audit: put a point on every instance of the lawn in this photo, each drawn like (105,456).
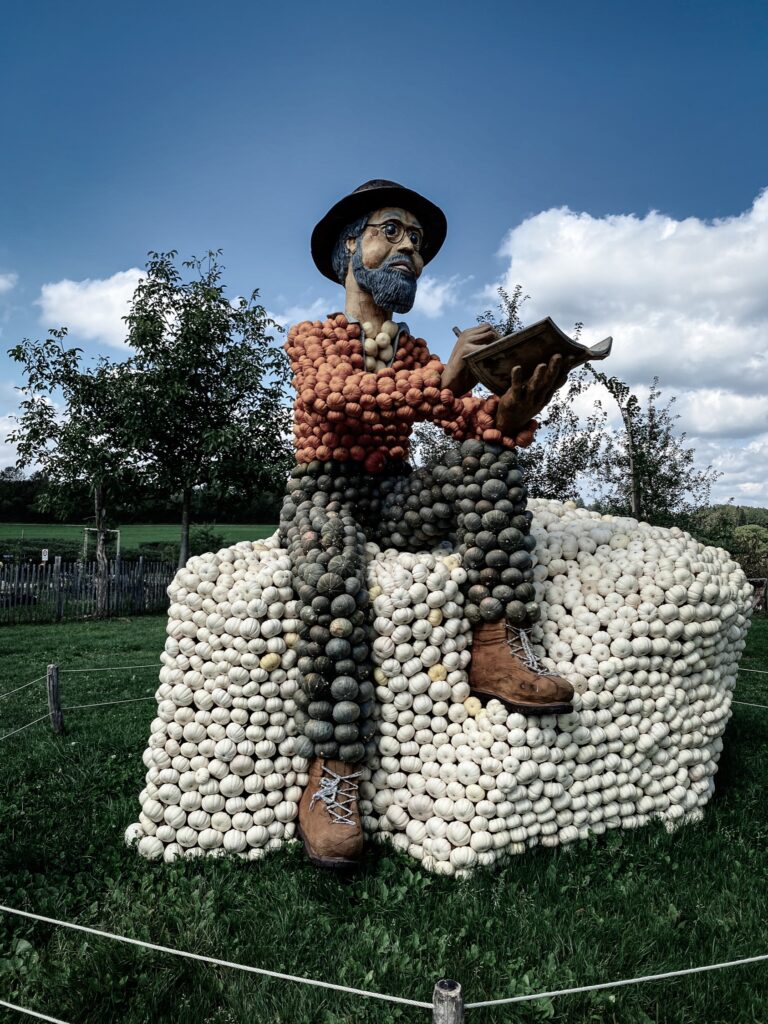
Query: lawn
(619,906)
(131,536)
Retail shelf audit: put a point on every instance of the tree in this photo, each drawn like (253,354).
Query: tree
(750,547)
(210,402)
(83,444)
(506,319)
(646,470)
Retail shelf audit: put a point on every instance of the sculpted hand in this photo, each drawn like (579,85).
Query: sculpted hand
(457,376)
(523,399)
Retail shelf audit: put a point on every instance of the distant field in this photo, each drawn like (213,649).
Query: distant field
(131,536)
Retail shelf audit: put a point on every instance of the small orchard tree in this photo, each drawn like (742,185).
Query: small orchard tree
(750,547)
(71,426)
(210,386)
(646,470)
(505,319)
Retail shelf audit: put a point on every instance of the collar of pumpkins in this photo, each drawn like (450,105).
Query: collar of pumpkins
(380,348)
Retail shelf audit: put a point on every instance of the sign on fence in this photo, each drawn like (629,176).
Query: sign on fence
(45,554)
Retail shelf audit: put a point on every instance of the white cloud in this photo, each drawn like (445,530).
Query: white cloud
(434,296)
(685,300)
(7,451)
(7,282)
(710,412)
(744,468)
(91,309)
(316,310)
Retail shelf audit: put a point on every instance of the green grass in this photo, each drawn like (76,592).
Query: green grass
(622,905)
(132,535)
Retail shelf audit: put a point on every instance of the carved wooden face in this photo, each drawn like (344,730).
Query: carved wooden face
(381,240)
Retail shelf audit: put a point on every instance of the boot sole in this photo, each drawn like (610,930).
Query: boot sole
(331,863)
(555,708)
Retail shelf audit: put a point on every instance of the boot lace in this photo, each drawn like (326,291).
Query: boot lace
(519,642)
(339,794)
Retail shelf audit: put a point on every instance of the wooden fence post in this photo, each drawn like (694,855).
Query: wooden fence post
(447,1003)
(55,713)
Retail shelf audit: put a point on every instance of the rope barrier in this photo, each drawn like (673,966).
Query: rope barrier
(108,668)
(23,687)
(757,671)
(104,703)
(215,961)
(530,997)
(748,705)
(32,1013)
(23,727)
(616,984)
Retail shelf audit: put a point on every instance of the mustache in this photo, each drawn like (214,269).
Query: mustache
(398,258)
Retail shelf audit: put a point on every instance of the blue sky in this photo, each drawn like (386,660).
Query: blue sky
(549,132)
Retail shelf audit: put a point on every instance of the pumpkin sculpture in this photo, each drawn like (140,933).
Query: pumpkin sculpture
(385,654)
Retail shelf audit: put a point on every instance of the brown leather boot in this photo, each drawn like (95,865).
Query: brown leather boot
(329,817)
(499,669)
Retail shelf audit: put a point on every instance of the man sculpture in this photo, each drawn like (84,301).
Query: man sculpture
(362,381)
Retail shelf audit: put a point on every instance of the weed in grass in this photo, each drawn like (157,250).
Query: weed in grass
(609,908)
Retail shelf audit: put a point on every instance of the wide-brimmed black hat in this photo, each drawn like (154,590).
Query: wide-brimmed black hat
(374,195)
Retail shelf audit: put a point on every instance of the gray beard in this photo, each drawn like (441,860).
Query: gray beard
(389,289)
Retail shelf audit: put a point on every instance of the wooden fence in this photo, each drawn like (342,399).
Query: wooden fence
(53,592)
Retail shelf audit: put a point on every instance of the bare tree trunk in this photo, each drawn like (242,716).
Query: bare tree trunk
(634,480)
(102,565)
(186,501)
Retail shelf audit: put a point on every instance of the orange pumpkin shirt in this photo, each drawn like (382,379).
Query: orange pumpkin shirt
(344,412)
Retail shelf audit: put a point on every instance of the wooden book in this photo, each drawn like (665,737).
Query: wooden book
(493,363)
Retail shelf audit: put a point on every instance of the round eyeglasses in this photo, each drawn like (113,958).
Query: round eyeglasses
(394,231)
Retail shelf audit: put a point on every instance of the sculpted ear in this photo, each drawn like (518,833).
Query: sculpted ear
(350,244)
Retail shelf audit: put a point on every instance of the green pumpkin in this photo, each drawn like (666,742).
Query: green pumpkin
(473,448)
(344,688)
(497,559)
(317,731)
(320,710)
(337,648)
(346,711)
(352,752)
(495,521)
(304,746)
(491,609)
(330,583)
(343,605)
(367,690)
(515,612)
(348,733)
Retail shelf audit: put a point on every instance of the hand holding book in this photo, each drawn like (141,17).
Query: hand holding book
(524,368)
